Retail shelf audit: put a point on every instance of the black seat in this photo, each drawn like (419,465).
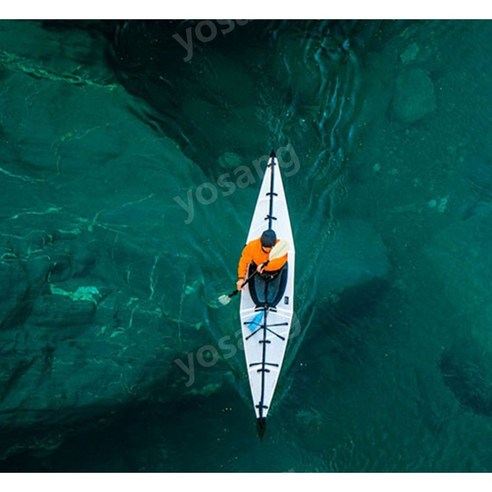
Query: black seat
(267,292)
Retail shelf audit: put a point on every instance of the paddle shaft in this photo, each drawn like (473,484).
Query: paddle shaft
(232,294)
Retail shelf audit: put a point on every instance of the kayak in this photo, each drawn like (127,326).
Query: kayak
(266,325)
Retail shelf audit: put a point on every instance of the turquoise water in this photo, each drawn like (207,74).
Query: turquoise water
(131,157)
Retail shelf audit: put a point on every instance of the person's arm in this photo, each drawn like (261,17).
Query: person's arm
(242,268)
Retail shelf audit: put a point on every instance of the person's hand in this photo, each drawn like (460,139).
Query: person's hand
(260,268)
(239,284)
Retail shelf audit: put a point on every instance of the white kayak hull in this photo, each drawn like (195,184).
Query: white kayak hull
(266,340)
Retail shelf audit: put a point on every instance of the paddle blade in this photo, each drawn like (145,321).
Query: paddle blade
(279,250)
(224,300)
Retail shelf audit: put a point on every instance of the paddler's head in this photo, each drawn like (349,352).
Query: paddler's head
(268,240)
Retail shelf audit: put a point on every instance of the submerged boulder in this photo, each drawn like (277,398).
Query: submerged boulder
(460,259)
(466,370)
(355,256)
(414,96)
(76,351)
(478,171)
(94,304)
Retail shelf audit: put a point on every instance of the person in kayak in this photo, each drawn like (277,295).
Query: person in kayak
(254,254)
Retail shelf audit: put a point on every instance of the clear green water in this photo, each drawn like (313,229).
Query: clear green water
(128,179)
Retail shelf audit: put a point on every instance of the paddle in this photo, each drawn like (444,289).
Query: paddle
(279,250)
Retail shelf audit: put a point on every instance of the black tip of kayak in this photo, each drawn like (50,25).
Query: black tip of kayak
(273,154)
(261,427)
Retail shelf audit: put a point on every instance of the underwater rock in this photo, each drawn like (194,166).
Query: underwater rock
(60,311)
(414,96)
(229,160)
(466,370)
(410,53)
(88,321)
(478,170)
(477,195)
(77,347)
(460,261)
(15,285)
(355,256)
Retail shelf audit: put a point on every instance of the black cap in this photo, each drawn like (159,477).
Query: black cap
(268,238)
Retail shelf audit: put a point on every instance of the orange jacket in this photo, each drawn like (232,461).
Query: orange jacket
(253,252)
